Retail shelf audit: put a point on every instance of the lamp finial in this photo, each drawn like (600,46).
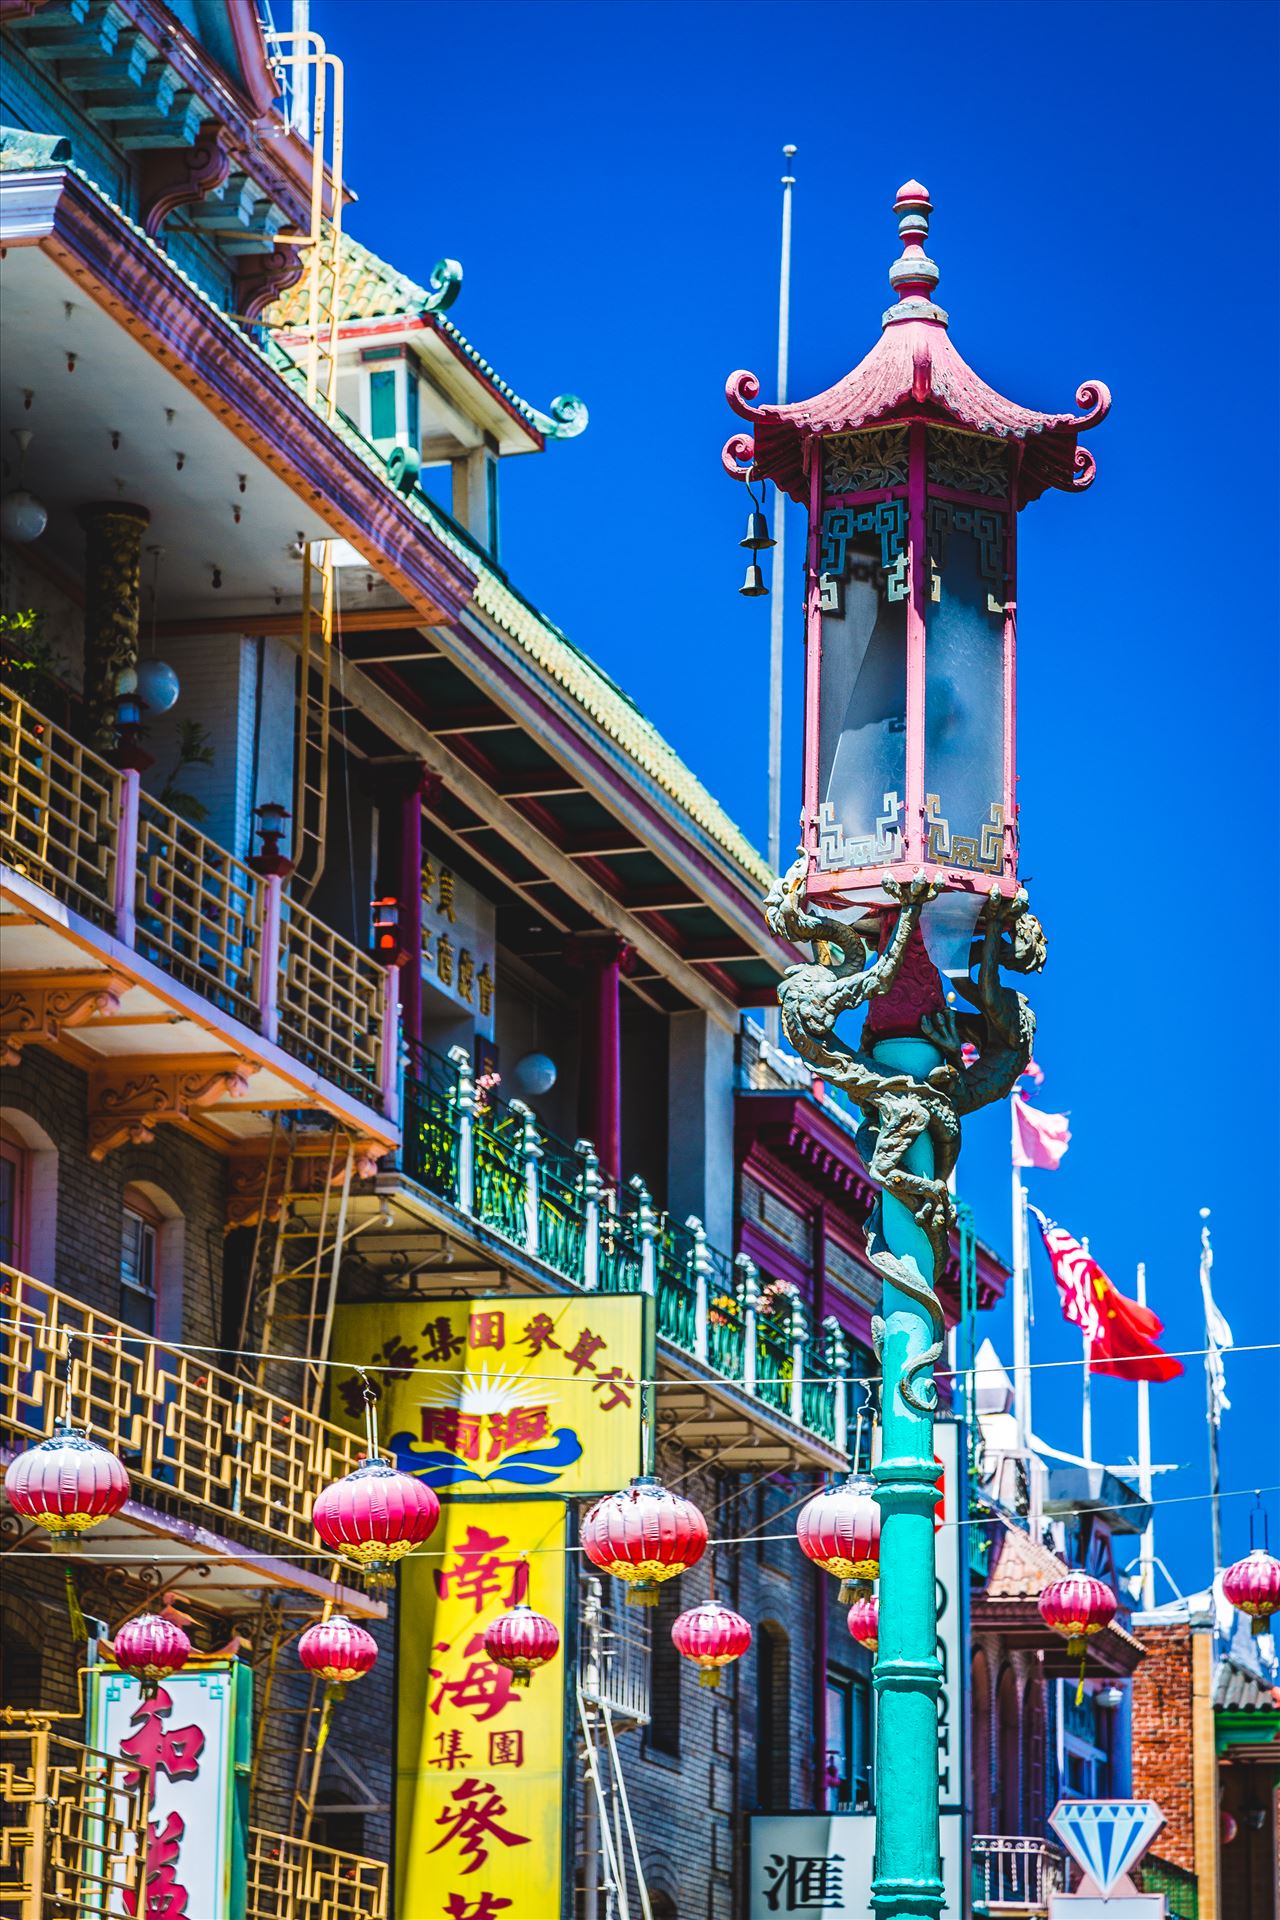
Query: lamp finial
(915,275)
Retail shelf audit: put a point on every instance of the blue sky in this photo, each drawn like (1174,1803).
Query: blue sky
(1104,185)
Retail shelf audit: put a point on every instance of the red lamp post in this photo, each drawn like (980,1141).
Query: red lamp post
(913,471)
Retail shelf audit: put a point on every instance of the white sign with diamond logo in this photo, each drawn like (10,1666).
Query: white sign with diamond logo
(1105,1838)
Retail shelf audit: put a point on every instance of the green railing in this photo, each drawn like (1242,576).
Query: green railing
(491,1160)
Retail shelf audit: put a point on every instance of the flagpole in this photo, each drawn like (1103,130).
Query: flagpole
(1086,1393)
(1215,1480)
(777,611)
(1021,1301)
(1147,1561)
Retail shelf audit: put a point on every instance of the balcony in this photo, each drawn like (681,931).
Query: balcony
(295,1880)
(136,939)
(203,1449)
(1014,1875)
(489,1163)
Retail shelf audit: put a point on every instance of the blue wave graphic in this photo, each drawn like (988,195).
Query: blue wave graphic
(537,1467)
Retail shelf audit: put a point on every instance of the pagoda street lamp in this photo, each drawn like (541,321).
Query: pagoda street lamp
(913,471)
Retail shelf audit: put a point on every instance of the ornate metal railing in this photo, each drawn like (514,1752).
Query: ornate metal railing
(198,910)
(297,1880)
(1015,1873)
(491,1160)
(72,1831)
(187,1433)
(85,832)
(59,810)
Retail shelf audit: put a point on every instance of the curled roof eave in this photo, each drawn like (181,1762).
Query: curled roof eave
(913,372)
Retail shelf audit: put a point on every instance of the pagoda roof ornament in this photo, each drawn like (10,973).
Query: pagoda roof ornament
(912,373)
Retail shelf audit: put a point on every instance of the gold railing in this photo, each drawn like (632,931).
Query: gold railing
(72,1832)
(59,810)
(331,998)
(197,910)
(295,1880)
(185,1431)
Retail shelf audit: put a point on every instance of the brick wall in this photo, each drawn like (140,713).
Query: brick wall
(1162,1737)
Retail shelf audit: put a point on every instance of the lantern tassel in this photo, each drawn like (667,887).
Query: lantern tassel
(326,1715)
(645,1595)
(1080,1682)
(708,1676)
(1260,1623)
(75,1612)
(520,1676)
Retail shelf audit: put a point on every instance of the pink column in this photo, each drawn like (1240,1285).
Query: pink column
(603,958)
(915,846)
(417,783)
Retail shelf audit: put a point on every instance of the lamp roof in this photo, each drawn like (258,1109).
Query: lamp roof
(915,373)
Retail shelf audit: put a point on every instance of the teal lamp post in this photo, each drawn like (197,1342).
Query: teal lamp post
(913,472)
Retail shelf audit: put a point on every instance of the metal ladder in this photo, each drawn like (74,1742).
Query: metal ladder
(607,1808)
(298,1727)
(306,1248)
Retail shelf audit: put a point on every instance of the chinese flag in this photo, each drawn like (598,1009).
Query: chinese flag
(1122,1336)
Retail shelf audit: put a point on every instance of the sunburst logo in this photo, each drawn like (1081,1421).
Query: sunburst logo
(482,1392)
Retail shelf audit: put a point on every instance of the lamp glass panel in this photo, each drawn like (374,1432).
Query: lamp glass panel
(965,696)
(862,718)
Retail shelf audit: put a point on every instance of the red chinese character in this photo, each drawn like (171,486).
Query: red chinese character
(616,1381)
(459,1432)
(579,1355)
(487,1330)
(521,1427)
(476,1573)
(487,1907)
(537,1335)
(175,1751)
(483,1690)
(165,1898)
(451,1754)
(479,1809)
(443,1344)
(506,1747)
(394,1360)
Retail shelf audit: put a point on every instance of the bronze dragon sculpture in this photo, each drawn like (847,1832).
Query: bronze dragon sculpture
(897,1108)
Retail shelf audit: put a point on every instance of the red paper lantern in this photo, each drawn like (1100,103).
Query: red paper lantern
(1253,1585)
(864,1621)
(521,1640)
(712,1636)
(66,1484)
(644,1535)
(1077,1606)
(839,1530)
(151,1648)
(374,1516)
(337,1650)
(1230,1827)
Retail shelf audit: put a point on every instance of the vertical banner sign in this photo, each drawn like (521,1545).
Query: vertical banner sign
(480,1761)
(186,1735)
(526,1394)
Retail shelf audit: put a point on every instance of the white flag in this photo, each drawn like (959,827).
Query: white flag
(1217,1334)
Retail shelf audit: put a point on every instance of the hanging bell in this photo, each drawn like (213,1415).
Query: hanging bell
(753,586)
(757,533)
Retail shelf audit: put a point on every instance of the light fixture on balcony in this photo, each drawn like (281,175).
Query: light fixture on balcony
(1109,1697)
(269,859)
(23,518)
(533,1075)
(128,699)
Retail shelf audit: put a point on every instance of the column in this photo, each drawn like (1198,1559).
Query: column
(113,533)
(700,1143)
(603,957)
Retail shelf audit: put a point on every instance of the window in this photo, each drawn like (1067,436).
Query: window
(138,1263)
(382,404)
(13,1201)
(773,1740)
(847,1785)
(664,1675)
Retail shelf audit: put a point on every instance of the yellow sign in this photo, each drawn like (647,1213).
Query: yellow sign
(527,1393)
(480,1780)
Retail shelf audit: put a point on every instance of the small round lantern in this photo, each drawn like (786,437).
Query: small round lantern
(839,1530)
(66,1484)
(522,1641)
(151,1648)
(1253,1585)
(336,1650)
(712,1637)
(1077,1606)
(374,1516)
(644,1535)
(864,1621)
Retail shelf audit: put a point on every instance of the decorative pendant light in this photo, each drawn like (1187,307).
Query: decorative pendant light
(1253,1585)
(839,1530)
(756,541)
(374,1516)
(157,684)
(23,518)
(644,1535)
(336,1651)
(151,1648)
(66,1484)
(864,1621)
(1077,1606)
(712,1637)
(521,1640)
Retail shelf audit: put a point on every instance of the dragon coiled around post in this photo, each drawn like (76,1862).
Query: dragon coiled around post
(984,1052)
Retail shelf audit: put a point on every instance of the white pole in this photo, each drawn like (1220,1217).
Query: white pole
(778,610)
(1147,1562)
(1086,1398)
(300,92)
(1021,1310)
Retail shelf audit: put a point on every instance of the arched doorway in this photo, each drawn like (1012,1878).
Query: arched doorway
(773,1724)
(1009,1761)
(982,1756)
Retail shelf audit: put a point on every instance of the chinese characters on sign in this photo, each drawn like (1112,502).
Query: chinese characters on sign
(479,1761)
(526,1395)
(185,1735)
(457,943)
